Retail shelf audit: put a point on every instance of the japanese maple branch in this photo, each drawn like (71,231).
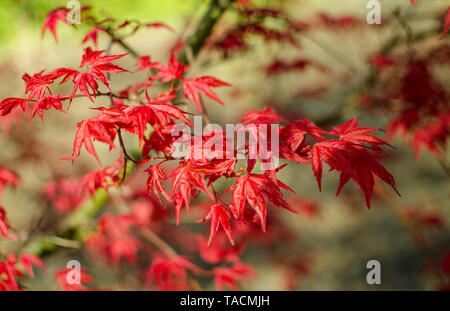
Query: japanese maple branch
(71,227)
(119,41)
(196,41)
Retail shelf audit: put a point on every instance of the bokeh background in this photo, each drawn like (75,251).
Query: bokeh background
(338,239)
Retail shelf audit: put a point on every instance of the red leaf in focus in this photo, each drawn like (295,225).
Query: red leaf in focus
(185,181)
(219,216)
(255,190)
(37,84)
(155,174)
(8,177)
(144,63)
(174,70)
(193,88)
(99,64)
(153,113)
(353,162)
(92,35)
(9,104)
(102,178)
(294,134)
(349,131)
(68,73)
(89,130)
(46,103)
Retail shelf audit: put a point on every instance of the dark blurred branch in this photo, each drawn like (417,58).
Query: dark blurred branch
(120,42)
(196,41)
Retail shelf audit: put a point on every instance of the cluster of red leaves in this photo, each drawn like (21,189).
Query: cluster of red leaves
(14,267)
(348,148)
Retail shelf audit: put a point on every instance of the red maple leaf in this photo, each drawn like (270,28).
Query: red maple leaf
(89,130)
(185,181)
(155,174)
(47,103)
(255,190)
(9,104)
(163,112)
(37,84)
(353,162)
(349,131)
(27,260)
(219,216)
(153,113)
(52,19)
(174,70)
(295,133)
(193,87)
(99,65)
(68,73)
(216,168)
